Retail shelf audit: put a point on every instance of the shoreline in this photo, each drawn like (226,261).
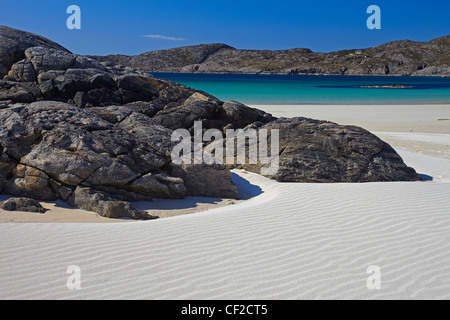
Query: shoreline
(424,103)
(307,74)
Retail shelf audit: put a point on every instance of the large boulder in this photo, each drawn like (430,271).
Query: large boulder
(45,59)
(13,44)
(30,182)
(22,204)
(206,180)
(322,151)
(212,112)
(239,115)
(73,146)
(197,107)
(235,115)
(22,71)
(96,201)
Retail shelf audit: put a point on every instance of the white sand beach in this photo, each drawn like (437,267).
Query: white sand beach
(282,241)
(423,118)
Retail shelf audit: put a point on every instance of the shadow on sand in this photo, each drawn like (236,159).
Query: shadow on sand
(425,177)
(175,204)
(245,189)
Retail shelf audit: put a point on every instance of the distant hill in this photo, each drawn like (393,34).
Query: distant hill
(403,57)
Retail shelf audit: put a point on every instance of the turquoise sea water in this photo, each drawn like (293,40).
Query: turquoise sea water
(299,89)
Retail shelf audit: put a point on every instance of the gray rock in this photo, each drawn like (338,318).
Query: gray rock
(96,201)
(235,115)
(19,91)
(83,62)
(7,164)
(62,191)
(114,150)
(45,59)
(82,74)
(55,75)
(322,151)
(212,112)
(136,87)
(102,80)
(147,108)
(13,44)
(147,129)
(21,71)
(159,186)
(22,204)
(97,97)
(206,180)
(3,71)
(29,182)
(175,185)
(197,107)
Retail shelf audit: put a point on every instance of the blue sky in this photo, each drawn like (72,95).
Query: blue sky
(119,26)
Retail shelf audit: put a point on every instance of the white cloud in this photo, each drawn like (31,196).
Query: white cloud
(158,36)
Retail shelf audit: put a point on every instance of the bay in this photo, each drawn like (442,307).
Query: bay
(311,89)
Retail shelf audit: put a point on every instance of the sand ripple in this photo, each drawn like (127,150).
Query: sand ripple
(293,241)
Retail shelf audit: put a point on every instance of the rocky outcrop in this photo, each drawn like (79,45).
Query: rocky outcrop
(100,136)
(45,59)
(22,204)
(22,71)
(13,44)
(55,150)
(321,151)
(52,148)
(393,58)
(205,180)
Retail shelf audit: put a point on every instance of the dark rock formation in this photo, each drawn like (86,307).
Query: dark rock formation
(394,58)
(52,148)
(93,200)
(322,151)
(205,180)
(99,136)
(11,91)
(22,71)
(13,44)
(22,204)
